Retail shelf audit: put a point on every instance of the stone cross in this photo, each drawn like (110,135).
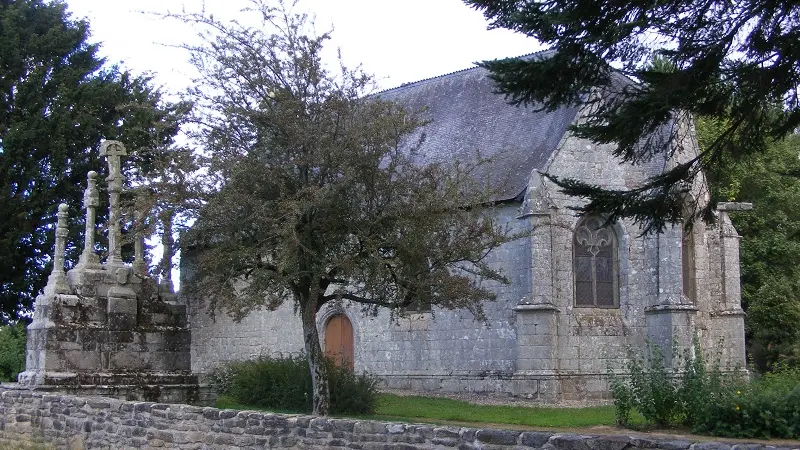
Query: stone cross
(91,200)
(57,282)
(113,151)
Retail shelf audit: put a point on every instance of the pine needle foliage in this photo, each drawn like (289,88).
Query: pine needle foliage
(732,61)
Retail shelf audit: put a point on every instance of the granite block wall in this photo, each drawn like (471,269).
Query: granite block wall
(536,342)
(35,420)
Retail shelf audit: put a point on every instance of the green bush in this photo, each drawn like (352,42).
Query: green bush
(351,393)
(285,384)
(654,388)
(662,396)
(768,407)
(12,351)
(707,399)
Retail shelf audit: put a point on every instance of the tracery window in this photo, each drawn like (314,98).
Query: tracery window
(595,264)
(688,267)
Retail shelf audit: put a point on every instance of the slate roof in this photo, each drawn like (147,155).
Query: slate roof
(467,118)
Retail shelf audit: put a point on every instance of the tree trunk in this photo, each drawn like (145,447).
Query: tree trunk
(316,363)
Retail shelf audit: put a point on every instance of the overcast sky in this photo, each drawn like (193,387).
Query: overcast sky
(397,41)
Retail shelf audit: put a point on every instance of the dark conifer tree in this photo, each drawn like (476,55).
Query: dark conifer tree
(738,61)
(57,102)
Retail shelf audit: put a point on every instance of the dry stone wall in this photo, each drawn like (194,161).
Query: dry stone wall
(62,421)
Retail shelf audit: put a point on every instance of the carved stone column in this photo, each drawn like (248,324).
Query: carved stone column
(91,200)
(122,305)
(139,265)
(113,151)
(727,315)
(57,282)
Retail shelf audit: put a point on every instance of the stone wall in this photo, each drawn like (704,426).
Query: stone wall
(429,351)
(77,423)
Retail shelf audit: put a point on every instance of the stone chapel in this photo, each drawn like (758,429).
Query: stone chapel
(582,292)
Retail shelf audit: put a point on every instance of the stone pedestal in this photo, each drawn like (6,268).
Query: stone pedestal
(113,339)
(112,335)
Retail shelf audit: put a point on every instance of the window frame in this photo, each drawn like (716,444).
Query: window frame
(609,233)
(689,267)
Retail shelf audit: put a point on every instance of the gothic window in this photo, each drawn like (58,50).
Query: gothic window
(595,264)
(688,267)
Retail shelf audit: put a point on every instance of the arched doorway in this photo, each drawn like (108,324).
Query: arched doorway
(339,340)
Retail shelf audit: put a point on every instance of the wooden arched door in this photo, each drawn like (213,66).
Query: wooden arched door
(339,340)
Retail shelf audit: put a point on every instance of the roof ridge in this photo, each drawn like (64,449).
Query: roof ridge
(382,91)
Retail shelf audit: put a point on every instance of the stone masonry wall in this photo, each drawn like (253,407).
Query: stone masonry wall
(535,343)
(78,423)
(438,350)
(446,350)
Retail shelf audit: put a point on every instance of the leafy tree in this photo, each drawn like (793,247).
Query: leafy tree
(165,201)
(12,351)
(732,60)
(57,101)
(319,198)
(770,248)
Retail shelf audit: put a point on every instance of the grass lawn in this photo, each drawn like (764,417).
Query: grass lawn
(440,410)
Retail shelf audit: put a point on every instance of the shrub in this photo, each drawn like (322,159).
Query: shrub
(650,389)
(707,399)
(351,393)
(285,384)
(12,351)
(767,407)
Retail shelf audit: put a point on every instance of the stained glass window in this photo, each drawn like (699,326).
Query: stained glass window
(595,264)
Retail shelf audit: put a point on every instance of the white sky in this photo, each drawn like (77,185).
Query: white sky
(396,41)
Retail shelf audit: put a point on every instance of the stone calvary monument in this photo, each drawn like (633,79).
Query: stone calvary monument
(106,328)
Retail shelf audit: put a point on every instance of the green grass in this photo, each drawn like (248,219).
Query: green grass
(441,410)
(427,408)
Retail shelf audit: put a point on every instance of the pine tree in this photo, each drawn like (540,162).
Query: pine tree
(736,61)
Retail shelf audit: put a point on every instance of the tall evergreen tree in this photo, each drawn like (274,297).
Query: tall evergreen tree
(57,102)
(734,60)
(770,249)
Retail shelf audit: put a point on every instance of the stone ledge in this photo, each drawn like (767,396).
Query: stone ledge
(728,313)
(176,392)
(529,307)
(734,206)
(671,308)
